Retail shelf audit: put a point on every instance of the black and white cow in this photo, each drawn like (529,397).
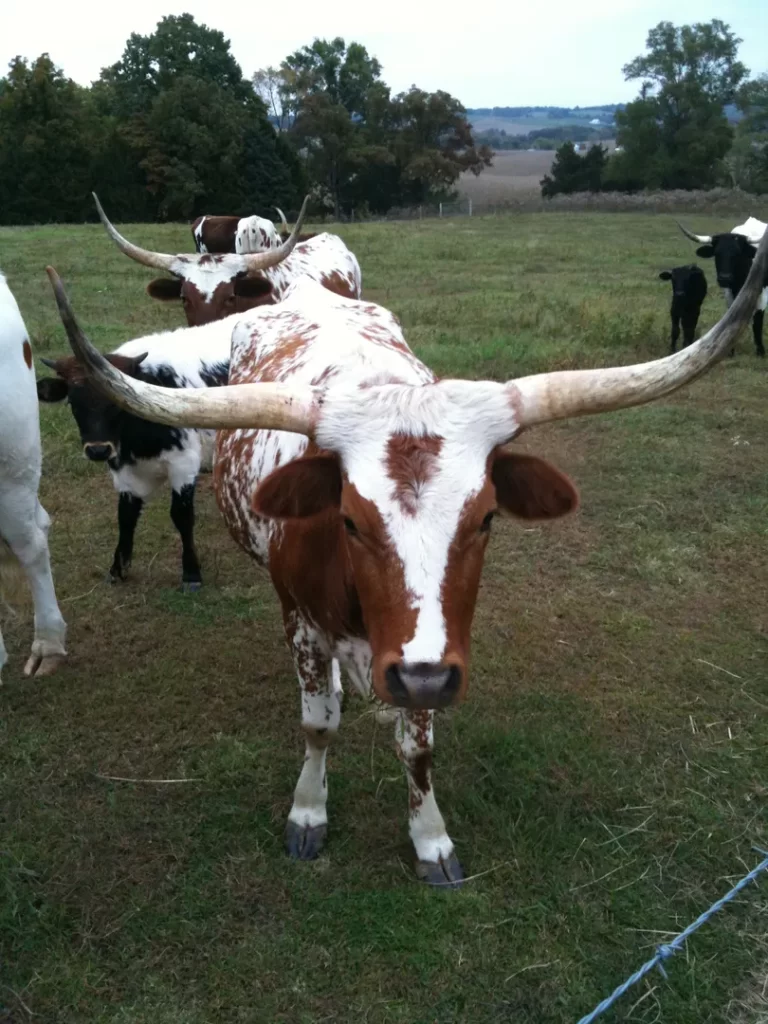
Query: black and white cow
(141,455)
(689,289)
(734,252)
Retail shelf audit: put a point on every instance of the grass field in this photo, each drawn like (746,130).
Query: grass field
(605,781)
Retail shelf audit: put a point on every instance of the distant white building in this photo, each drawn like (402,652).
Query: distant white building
(595,120)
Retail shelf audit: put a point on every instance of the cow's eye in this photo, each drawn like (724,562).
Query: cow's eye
(350,527)
(486,523)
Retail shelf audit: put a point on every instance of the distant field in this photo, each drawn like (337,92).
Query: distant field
(522,125)
(604,782)
(513,171)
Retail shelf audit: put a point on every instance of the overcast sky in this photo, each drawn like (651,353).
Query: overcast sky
(496,53)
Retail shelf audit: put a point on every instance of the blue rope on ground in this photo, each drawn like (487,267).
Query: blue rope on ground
(665,951)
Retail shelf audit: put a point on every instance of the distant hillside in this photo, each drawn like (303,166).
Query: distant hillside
(523,120)
(548,127)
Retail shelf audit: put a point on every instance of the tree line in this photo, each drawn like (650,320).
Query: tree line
(174,129)
(675,134)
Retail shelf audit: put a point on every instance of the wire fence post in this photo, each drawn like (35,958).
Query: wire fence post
(470,206)
(441,209)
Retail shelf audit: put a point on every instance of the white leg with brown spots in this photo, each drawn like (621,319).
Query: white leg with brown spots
(436,862)
(320,683)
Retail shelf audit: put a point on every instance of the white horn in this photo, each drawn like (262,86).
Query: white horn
(555,396)
(263,260)
(159,260)
(282,218)
(701,239)
(267,406)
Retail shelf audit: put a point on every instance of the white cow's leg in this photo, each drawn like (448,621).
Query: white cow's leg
(320,683)
(436,860)
(24,524)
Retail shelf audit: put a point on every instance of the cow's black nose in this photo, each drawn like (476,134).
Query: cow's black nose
(423,684)
(99,452)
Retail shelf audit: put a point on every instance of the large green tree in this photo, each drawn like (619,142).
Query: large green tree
(365,149)
(47,133)
(195,126)
(574,173)
(746,166)
(675,134)
(179,47)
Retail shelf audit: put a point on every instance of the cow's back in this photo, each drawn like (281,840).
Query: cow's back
(314,337)
(324,259)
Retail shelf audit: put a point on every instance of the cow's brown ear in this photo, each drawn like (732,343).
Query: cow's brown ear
(299,489)
(127,364)
(165,288)
(530,488)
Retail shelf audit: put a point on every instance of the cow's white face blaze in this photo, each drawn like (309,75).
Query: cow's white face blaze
(214,286)
(416,478)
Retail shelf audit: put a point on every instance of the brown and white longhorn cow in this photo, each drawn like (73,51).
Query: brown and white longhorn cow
(367,488)
(240,234)
(212,287)
(215,234)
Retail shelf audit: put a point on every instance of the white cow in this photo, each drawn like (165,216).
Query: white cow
(23,520)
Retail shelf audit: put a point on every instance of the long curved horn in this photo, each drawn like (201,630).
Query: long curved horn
(271,257)
(701,239)
(555,396)
(267,406)
(159,260)
(282,218)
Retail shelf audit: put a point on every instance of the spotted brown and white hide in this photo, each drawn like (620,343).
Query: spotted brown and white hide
(389,576)
(214,286)
(215,234)
(24,523)
(374,530)
(256,234)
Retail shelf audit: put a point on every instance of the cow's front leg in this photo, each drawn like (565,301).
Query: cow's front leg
(183,518)
(757,331)
(436,862)
(129,508)
(320,717)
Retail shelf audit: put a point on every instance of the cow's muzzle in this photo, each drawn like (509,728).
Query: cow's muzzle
(101,451)
(423,684)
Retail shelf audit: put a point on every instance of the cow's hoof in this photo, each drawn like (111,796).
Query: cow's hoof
(44,665)
(191,586)
(445,872)
(304,842)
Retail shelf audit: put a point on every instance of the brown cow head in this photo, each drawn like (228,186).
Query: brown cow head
(210,286)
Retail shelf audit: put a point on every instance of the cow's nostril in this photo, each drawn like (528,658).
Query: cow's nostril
(396,686)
